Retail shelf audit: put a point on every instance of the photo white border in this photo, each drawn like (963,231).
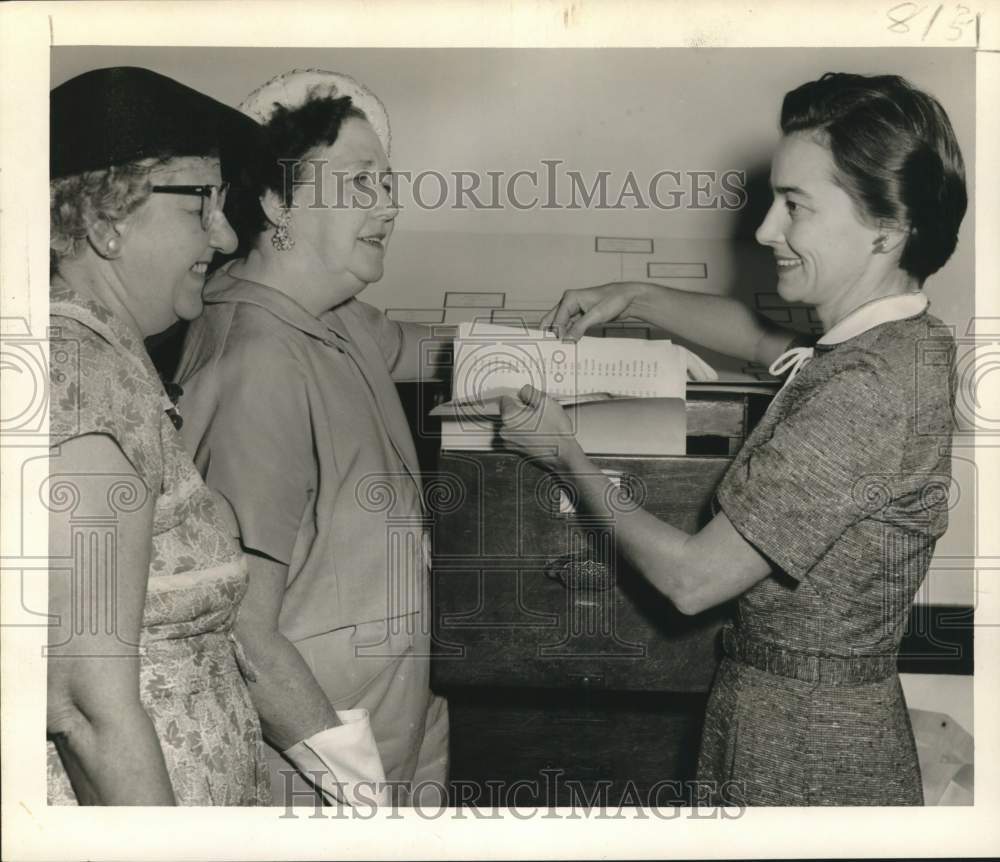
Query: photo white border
(31,830)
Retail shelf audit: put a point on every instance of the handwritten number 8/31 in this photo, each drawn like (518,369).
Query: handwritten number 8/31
(902,14)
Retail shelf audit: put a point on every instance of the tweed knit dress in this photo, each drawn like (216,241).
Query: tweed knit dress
(843,486)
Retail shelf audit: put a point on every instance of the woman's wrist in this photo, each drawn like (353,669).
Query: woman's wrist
(592,485)
(573,461)
(643,297)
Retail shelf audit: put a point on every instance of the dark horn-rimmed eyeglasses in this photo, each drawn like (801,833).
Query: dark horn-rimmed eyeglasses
(213,198)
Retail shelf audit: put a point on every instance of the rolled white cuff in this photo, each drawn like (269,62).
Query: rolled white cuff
(344,761)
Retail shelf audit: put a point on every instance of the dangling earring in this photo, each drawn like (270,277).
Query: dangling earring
(281,239)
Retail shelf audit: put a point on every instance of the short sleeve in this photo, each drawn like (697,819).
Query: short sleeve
(400,343)
(93,389)
(388,334)
(794,494)
(256,449)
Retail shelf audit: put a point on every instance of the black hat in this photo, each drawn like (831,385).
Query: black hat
(113,116)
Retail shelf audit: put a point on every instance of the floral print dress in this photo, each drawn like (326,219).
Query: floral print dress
(192,682)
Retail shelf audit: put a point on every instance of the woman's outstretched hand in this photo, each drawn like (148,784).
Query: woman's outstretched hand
(536,425)
(578,310)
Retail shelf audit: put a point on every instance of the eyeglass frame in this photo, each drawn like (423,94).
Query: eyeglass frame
(214,195)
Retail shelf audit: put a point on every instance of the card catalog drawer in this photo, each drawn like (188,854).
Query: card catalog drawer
(529,593)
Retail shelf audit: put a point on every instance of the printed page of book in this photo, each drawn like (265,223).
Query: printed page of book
(491,360)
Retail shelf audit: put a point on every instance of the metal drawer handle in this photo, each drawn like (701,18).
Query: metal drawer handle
(579,573)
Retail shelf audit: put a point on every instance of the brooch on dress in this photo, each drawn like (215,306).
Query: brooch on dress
(173,393)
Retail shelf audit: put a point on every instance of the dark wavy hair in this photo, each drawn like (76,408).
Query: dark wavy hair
(896,156)
(288,137)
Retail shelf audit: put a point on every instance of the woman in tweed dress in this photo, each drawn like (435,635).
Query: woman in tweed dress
(827,519)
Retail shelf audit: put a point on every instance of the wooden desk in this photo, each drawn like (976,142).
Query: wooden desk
(551,669)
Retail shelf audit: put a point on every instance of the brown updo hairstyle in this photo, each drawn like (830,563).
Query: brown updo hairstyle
(289,138)
(896,156)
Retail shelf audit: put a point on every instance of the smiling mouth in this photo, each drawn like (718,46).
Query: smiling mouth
(200,269)
(375,241)
(786,263)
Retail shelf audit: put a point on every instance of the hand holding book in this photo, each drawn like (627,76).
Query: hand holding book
(533,424)
(622,395)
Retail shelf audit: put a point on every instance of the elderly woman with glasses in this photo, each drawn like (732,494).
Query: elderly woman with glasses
(147,695)
(826,521)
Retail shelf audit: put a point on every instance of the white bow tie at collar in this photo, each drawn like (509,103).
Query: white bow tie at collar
(864,317)
(792,359)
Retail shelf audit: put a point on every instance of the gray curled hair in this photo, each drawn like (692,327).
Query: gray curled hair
(79,201)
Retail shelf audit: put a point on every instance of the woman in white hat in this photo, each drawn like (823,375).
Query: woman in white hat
(291,413)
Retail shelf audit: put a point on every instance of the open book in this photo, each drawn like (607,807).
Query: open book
(624,396)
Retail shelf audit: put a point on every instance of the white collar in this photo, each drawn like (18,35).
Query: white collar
(874,313)
(863,318)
